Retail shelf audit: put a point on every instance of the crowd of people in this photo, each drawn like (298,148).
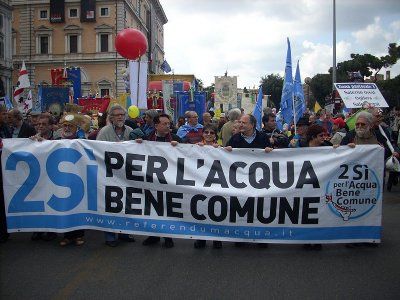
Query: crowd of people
(235,129)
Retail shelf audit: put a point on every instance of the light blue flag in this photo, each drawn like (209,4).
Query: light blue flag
(298,93)
(279,120)
(8,103)
(257,112)
(287,91)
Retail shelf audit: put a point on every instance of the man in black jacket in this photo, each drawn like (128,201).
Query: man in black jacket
(21,129)
(276,137)
(249,137)
(162,133)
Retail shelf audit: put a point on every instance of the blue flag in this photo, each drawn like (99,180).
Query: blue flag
(287,91)
(298,93)
(165,67)
(279,120)
(257,112)
(8,103)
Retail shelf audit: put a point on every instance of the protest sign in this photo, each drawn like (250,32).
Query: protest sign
(359,95)
(304,195)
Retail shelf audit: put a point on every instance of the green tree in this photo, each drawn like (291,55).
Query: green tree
(321,86)
(367,64)
(272,85)
(390,90)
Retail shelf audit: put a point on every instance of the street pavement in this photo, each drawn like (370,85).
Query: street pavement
(44,270)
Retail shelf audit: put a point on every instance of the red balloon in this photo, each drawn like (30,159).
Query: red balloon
(131,43)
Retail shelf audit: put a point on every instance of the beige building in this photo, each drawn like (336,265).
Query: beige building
(81,33)
(5,49)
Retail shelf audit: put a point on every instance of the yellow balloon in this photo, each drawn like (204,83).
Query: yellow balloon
(133,111)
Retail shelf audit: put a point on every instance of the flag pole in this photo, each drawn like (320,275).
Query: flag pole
(137,84)
(294,115)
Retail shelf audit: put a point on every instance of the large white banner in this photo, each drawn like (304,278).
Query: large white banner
(359,95)
(303,195)
(138,83)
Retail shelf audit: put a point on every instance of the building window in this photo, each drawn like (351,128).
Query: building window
(104,42)
(104,92)
(43,14)
(44,44)
(1,22)
(73,13)
(73,44)
(1,47)
(104,12)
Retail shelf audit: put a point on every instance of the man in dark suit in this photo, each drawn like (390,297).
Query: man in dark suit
(21,129)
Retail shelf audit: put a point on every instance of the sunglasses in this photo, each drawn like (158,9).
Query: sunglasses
(209,132)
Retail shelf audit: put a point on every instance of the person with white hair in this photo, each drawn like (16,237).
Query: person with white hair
(116,131)
(365,133)
(226,131)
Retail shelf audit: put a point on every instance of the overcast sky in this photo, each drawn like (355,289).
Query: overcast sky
(248,37)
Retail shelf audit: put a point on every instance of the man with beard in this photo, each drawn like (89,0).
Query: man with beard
(364,134)
(117,131)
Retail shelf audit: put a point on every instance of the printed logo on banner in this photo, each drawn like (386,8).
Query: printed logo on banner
(353,191)
(19,202)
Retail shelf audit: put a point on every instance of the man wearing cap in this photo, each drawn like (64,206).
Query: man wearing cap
(69,130)
(33,119)
(192,132)
(117,131)
(339,131)
(300,139)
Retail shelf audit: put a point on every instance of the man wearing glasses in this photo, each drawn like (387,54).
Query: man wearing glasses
(117,131)
(162,133)
(192,131)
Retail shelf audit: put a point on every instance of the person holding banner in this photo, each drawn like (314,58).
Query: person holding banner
(315,137)
(69,130)
(299,140)
(276,137)
(249,137)
(45,132)
(210,137)
(116,131)
(369,131)
(162,133)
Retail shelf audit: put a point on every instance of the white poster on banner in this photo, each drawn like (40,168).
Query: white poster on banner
(138,83)
(303,195)
(359,95)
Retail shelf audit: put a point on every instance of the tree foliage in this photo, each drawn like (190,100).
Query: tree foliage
(321,86)
(390,90)
(367,64)
(272,85)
